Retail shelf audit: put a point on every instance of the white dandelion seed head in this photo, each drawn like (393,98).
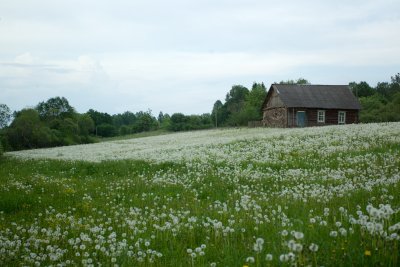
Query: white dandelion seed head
(313,247)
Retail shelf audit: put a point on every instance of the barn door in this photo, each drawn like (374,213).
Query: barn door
(301,118)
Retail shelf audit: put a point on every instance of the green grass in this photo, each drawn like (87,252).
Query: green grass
(132,136)
(180,206)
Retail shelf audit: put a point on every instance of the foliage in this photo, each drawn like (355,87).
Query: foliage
(254,101)
(56,107)
(321,196)
(381,103)
(145,122)
(181,122)
(99,118)
(298,81)
(240,107)
(164,121)
(51,123)
(85,124)
(106,130)
(5,115)
(125,123)
(361,89)
(126,118)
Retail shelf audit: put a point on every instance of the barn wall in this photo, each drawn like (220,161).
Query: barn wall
(275,117)
(331,116)
(275,114)
(292,118)
(274,101)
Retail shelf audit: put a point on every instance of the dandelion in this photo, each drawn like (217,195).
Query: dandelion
(258,246)
(298,247)
(284,233)
(313,247)
(298,235)
(268,257)
(367,253)
(284,257)
(333,233)
(343,231)
(250,259)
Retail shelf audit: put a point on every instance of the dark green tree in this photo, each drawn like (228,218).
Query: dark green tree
(178,122)
(5,115)
(298,81)
(106,130)
(361,89)
(383,88)
(165,122)
(145,122)
(56,107)
(100,117)
(28,131)
(85,124)
(253,104)
(218,114)
(234,103)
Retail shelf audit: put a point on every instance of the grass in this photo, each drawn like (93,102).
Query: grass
(204,213)
(132,136)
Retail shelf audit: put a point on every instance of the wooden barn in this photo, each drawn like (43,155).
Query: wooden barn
(292,105)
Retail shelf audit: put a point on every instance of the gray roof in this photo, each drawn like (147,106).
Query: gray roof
(317,96)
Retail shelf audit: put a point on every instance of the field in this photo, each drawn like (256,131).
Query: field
(327,196)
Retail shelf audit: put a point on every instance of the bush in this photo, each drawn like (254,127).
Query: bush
(106,130)
(124,130)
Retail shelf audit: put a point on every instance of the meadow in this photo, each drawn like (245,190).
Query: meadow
(323,196)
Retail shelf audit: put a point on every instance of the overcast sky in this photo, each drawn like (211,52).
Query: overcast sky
(181,56)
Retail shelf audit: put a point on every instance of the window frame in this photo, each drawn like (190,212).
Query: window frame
(342,119)
(323,118)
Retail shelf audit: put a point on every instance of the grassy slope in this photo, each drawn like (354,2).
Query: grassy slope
(34,192)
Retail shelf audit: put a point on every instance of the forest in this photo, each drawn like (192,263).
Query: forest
(55,122)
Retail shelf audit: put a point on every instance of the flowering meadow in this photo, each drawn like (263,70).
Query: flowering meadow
(323,196)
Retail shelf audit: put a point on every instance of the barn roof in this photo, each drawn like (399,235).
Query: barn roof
(317,96)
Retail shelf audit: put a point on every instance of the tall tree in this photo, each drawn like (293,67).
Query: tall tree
(103,123)
(85,124)
(254,101)
(5,115)
(361,89)
(298,81)
(234,103)
(28,131)
(218,114)
(56,107)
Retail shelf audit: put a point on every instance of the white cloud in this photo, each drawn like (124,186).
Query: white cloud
(183,55)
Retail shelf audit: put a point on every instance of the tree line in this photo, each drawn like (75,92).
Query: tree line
(380,103)
(56,123)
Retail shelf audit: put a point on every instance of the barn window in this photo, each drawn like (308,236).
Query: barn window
(342,117)
(321,116)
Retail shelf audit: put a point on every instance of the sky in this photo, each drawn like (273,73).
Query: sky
(183,55)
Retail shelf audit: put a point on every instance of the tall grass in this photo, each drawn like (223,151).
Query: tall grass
(308,208)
